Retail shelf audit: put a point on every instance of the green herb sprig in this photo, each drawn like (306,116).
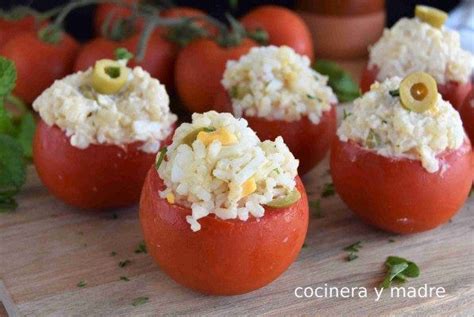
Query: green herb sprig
(328,190)
(16,135)
(399,270)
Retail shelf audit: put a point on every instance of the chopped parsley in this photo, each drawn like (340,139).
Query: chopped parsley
(113,253)
(161,157)
(310,96)
(328,190)
(140,301)
(124,278)
(315,206)
(399,270)
(124,263)
(81,284)
(345,114)
(394,93)
(141,248)
(353,249)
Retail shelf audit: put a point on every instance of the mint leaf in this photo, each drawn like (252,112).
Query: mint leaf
(25,134)
(7,77)
(12,171)
(6,123)
(340,81)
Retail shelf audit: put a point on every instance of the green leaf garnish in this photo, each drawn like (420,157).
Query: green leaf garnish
(141,248)
(328,190)
(399,269)
(140,301)
(25,134)
(340,81)
(161,157)
(7,77)
(12,171)
(123,54)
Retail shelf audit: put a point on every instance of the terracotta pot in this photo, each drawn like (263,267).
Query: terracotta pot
(343,29)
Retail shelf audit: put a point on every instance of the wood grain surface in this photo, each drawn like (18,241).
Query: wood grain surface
(47,248)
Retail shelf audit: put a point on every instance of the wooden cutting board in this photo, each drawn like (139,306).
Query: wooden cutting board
(47,248)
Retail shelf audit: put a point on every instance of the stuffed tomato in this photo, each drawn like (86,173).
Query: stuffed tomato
(279,94)
(401,159)
(222,212)
(467,115)
(99,133)
(422,44)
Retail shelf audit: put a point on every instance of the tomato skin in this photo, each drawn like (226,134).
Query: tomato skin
(453,92)
(39,64)
(467,115)
(283,26)
(11,28)
(98,177)
(399,195)
(199,69)
(158,61)
(308,142)
(119,12)
(226,257)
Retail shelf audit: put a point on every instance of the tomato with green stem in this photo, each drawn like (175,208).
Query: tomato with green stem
(225,257)
(398,194)
(112,13)
(99,177)
(39,61)
(454,92)
(284,27)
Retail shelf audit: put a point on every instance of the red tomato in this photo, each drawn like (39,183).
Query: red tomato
(98,177)
(11,28)
(226,257)
(399,195)
(158,61)
(284,27)
(467,115)
(188,12)
(453,92)
(39,64)
(199,69)
(308,142)
(117,12)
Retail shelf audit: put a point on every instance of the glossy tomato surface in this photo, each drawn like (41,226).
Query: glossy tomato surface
(199,70)
(226,257)
(39,64)
(284,27)
(453,92)
(98,177)
(399,195)
(308,142)
(9,28)
(467,115)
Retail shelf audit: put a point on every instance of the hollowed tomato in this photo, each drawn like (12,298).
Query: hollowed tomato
(98,177)
(467,115)
(308,142)
(226,257)
(398,194)
(453,92)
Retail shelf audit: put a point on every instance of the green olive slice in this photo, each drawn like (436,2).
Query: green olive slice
(285,201)
(418,92)
(109,76)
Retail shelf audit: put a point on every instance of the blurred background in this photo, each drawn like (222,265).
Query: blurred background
(79,22)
